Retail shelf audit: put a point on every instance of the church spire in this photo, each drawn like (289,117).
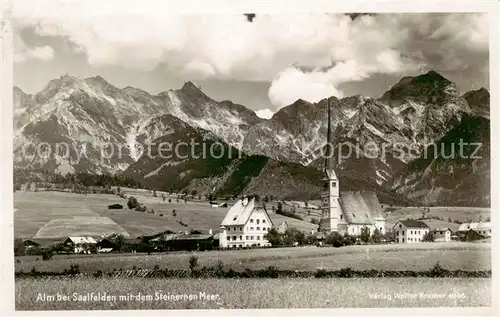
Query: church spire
(329,145)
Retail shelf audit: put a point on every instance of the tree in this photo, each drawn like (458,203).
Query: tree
(335,239)
(132,202)
(311,239)
(154,193)
(274,237)
(390,236)
(266,199)
(428,237)
(169,200)
(19,247)
(163,197)
(47,254)
(314,221)
(377,236)
(174,213)
(194,192)
(280,207)
(348,239)
(306,203)
(119,242)
(298,236)
(365,234)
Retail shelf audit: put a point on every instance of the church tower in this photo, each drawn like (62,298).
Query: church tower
(332,218)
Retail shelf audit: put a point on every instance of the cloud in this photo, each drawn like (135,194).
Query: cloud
(264,113)
(22,52)
(329,49)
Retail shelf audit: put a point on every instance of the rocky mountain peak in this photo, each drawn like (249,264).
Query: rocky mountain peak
(189,86)
(479,101)
(428,88)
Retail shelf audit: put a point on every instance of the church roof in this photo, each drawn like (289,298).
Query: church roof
(239,213)
(360,207)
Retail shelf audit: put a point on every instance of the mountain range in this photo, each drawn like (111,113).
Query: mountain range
(380,143)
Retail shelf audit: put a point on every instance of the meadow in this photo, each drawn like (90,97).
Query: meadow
(422,256)
(51,214)
(252,293)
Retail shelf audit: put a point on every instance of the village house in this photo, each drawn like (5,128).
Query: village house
(245,225)
(410,231)
(481,228)
(283,227)
(80,244)
(441,234)
(345,211)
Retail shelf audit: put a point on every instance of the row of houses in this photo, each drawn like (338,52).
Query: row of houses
(413,231)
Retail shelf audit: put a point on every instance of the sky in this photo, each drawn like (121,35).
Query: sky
(264,63)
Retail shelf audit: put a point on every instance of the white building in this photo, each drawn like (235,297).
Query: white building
(80,244)
(245,225)
(347,211)
(410,231)
(441,234)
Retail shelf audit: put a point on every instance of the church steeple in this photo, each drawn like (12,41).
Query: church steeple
(328,168)
(331,211)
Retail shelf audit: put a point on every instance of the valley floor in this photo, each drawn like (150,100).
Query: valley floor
(418,256)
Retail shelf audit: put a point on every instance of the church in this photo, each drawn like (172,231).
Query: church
(346,211)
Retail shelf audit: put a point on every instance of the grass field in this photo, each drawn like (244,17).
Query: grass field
(254,293)
(44,214)
(423,256)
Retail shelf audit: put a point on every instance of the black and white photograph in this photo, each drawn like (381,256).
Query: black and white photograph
(230,159)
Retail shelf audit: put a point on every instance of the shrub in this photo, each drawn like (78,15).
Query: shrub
(348,239)
(428,237)
(74,269)
(115,206)
(335,239)
(311,239)
(437,271)
(47,254)
(174,213)
(193,262)
(132,203)
(314,221)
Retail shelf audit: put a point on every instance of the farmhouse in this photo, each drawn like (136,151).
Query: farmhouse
(30,244)
(481,228)
(245,225)
(347,212)
(441,234)
(80,244)
(410,231)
